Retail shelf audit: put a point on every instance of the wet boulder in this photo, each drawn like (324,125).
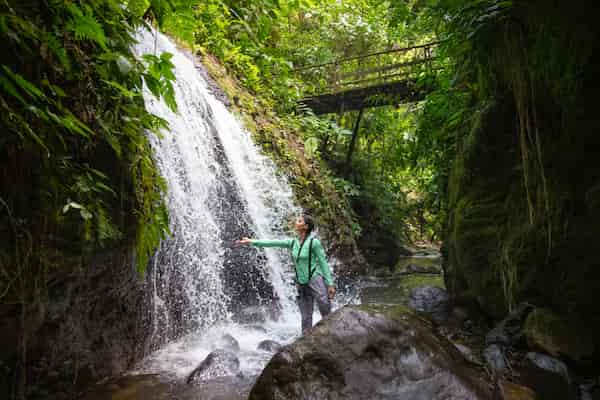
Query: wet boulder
(370,352)
(269,345)
(431,300)
(218,363)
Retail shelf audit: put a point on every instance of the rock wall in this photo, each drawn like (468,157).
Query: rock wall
(91,324)
(521,231)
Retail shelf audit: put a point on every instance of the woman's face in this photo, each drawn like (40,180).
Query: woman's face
(300,225)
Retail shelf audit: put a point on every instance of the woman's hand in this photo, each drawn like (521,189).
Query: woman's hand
(243,241)
(330,292)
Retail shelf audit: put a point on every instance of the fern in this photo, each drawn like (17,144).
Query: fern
(85,26)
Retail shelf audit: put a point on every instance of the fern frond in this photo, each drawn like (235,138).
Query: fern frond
(85,26)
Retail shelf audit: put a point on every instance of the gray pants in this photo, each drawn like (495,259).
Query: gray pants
(307,294)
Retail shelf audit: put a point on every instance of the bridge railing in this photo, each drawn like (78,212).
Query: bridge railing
(369,69)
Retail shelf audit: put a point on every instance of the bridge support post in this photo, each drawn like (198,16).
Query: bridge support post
(353,140)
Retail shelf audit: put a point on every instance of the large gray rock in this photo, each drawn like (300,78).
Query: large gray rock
(369,352)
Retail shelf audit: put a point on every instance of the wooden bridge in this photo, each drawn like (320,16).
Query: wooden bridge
(369,80)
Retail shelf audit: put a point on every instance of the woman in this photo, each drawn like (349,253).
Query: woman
(314,283)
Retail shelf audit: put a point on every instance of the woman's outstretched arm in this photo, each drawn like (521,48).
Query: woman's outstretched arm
(285,243)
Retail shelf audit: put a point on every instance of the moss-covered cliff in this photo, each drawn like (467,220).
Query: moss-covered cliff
(524,188)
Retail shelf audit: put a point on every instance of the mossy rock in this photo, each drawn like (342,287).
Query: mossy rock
(558,336)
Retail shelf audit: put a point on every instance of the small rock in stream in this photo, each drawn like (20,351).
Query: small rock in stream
(549,364)
(431,300)
(494,358)
(229,343)
(218,363)
(421,269)
(269,345)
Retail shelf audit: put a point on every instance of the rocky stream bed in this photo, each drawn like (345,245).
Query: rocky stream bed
(401,337)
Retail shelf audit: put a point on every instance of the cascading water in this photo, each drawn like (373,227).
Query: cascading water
(220,188)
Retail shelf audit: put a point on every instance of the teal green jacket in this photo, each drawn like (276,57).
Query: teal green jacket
(318,260)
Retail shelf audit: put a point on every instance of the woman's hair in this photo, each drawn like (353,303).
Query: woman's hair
(310,223)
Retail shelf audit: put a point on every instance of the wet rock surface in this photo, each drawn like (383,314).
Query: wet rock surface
(549,364)
(131,388)
(370,352)
(431,300)
(228,343)
(513,391)
(494,358)
(154,387)
(219,363)
(269,345)
(420,269)
(91,324)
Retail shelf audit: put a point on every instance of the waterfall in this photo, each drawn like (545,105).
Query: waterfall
(220,188)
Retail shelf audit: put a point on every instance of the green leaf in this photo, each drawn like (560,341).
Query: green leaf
(24,84)
(310,146)
(85,26)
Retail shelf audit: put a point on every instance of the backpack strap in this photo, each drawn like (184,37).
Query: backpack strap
(310,271)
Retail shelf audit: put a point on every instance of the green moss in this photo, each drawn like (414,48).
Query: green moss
(410,282)
(558,336)
(396,311)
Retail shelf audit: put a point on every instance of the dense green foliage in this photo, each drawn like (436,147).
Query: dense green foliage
(77,171)
(75,154)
